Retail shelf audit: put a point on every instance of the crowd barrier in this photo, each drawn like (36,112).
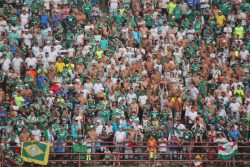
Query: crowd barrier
(169,158)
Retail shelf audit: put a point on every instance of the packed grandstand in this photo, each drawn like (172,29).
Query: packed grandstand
(124,82)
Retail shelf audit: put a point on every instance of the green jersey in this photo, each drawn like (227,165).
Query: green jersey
(177,13)
(19,128)
(7,12)
(87,7)
(149,20)
(71,20)
(119,19)
(69,38)
(198,26)
(195,68)
(245,7)
(225,7)
(62,134)
(187,135)
(56,127)
(14,19)
(217,119)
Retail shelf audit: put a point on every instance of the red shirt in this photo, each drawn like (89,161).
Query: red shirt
(55,88)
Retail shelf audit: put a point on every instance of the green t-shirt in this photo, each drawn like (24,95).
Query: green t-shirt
(7,12)
(187,136)
(34,7)
(69,38)
(149,20)
(119,19)
(71,20)
(177,13)
(14,19)
(62,134)
(56,127)
(217,119)
(19,129)
(198,26)
(245,7)
(225,7)
(87,8)
(195,68)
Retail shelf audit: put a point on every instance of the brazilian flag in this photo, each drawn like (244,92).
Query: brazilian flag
(35,152)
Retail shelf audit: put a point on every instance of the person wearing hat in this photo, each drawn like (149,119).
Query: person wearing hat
(232,132)
(27,37)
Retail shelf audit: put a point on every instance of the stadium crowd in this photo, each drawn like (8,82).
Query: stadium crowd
(124,71)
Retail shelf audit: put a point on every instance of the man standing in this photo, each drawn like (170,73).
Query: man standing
(152,148)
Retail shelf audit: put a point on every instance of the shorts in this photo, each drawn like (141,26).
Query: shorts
(152,154)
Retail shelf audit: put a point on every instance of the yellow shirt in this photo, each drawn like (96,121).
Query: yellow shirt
(239,31)
(220,20)
(171,7)
(19,101)
(99,54)
(173,99)
(59,66)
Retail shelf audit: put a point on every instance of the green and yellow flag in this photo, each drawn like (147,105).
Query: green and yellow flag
(36,152)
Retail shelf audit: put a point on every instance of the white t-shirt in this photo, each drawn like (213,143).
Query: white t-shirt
(47,48)
(244,54)
(109,129)
(24,19)
(120,136)
(31,62)
(224,87)
(130,97)
(27,39)
(165,4)
(5,64)
(113,4)
(88,86)
(190,34)
(228,31)
(204,4)
(98,88)
(188,109)
(16,62)
(162,144)
(192,116)
(52,56)
(180,129)
(98,129)
(234,106)
(37,134)
(143,99)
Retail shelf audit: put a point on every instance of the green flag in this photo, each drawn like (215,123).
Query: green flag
(78,148)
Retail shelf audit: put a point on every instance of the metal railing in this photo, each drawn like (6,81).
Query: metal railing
(173,155)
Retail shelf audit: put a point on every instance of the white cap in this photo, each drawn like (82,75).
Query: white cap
(78,80)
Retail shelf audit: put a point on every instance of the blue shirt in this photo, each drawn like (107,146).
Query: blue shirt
(193,3)
(104,44)
(234,134)
(40,80)
(62,94)
(56,19)
(137,36)
(44,19)
(115,127)
(74,129)
(59,146)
